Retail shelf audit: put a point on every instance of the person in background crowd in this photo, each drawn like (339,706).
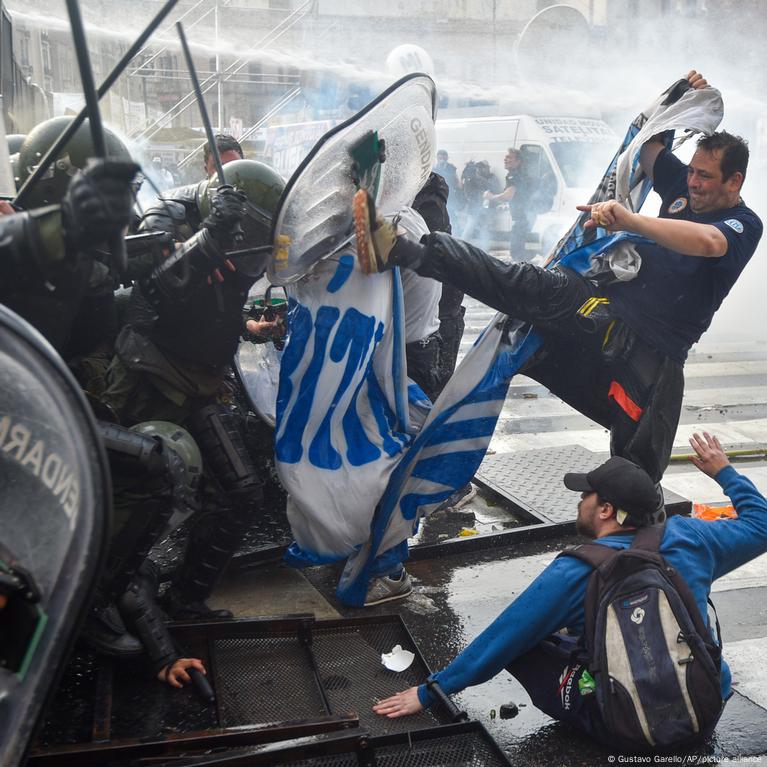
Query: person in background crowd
(229,149)
(517,195)
(455,200)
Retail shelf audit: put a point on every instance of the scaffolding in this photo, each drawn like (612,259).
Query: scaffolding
(216,78)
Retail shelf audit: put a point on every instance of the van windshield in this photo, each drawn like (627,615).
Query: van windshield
(582,162)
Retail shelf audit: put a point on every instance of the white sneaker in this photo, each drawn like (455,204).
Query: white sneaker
(387,589)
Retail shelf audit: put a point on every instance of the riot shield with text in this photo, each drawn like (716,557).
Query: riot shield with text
(388,147)
(55,507)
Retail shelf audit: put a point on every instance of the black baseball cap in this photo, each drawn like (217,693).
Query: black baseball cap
(627,487)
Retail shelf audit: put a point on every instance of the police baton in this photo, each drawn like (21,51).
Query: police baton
(116,241)
(71,129)
(201,103)
(214,153)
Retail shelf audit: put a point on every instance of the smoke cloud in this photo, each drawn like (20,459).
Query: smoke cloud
(609,64)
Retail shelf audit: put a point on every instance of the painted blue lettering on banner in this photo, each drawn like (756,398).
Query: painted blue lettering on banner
(355,333)
(300,329)
(352,340)
(359,449)
(385,419)
(345,268)
(288,447)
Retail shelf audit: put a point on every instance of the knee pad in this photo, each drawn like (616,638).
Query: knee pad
(219,434)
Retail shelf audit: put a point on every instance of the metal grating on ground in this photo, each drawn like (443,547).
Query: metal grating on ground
(266,679)
(465,744)
(467,749)
(273,679)
(530,482)
(470,749)
(356,678)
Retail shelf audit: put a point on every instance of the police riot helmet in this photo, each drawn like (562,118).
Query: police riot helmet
(15,140)
(181,442)
(50,189)
(262,186)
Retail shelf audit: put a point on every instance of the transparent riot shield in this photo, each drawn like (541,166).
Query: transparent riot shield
(55,509)
(314,216)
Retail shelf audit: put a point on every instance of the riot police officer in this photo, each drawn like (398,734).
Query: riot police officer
(72,302)
(173,355)
(45,265)
(156,469)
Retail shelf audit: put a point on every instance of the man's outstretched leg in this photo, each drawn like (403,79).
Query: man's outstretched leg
(591,359)
(544,297)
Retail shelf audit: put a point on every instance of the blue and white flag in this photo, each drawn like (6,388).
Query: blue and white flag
(342,413)
(359,483)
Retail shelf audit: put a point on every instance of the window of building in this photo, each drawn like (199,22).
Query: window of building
(45,50)
(24,48)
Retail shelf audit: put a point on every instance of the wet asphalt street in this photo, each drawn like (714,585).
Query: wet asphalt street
(462,583)
(458,595)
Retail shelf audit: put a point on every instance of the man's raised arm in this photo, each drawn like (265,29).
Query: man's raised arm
(654,146)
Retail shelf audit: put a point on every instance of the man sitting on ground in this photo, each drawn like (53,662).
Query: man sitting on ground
(616,499)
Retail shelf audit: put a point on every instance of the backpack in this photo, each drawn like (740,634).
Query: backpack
(654,661)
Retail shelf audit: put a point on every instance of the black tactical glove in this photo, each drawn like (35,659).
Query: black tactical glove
(98,203)
(227,209)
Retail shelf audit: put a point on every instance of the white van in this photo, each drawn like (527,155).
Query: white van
(572,151)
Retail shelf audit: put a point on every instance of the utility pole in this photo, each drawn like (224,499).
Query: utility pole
(220,86)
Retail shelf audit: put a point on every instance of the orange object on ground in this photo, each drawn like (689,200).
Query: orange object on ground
(712,511)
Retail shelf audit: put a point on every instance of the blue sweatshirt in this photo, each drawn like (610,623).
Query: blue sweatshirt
(701,551)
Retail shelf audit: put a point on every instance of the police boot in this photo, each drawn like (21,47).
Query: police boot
(105,632)
(212,544)
(179,606)
(140,610)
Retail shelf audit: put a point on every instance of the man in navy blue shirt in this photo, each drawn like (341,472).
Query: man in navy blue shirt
(704,236)
(616,353)
(609,512)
